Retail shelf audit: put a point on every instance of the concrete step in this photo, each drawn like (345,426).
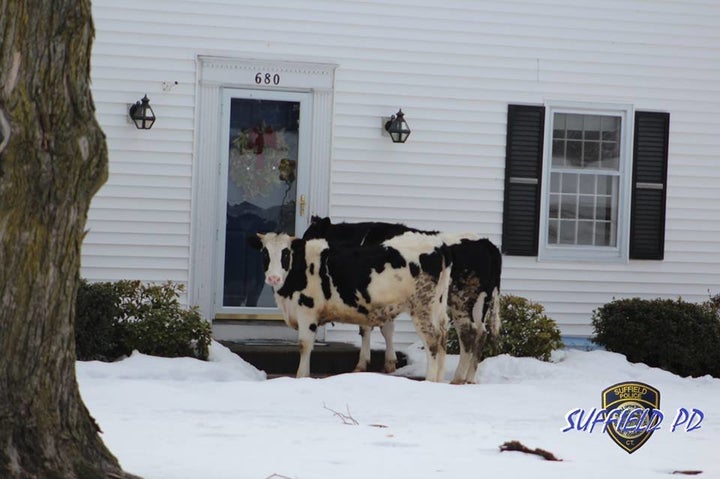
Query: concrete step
(278,357)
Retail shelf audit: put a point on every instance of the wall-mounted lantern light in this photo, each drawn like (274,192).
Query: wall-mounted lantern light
(397,127)
(142,114)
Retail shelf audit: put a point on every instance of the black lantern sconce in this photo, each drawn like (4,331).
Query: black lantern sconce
(142,114)
(398,128)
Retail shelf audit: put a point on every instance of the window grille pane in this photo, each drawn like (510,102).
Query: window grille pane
(559,126)
(567,231)
(569,183)
(558,154)
(586,209)
(553,227)
(587,184)
(554,206)
(602,234)
(574,153)
(604,185)
(611,128)
(603,209)
(574,126)
(568,206)
(591,154)
(610,155)
(585,233)
(555,182)
(592,127)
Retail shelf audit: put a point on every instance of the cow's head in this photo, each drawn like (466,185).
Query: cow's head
(277,255)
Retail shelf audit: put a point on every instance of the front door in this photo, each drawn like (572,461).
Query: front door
(263,187)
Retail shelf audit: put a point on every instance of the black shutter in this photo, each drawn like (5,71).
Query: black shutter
(523,170)
(649,185)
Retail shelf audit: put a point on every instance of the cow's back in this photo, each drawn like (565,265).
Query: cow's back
(359,234)
(380,281)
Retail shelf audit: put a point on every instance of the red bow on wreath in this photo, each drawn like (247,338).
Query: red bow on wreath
(260,137)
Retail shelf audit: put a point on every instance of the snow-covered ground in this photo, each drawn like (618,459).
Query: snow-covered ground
(188,419)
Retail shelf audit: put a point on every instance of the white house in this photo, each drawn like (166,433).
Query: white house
(580,136)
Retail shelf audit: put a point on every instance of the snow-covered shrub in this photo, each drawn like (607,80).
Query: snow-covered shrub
(130,315)
(680,337)
(525,331)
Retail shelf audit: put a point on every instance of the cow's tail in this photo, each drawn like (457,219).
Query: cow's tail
(492,315)
(443,290)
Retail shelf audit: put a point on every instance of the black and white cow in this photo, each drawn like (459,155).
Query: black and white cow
(474,290)
(359,234)
(315,283)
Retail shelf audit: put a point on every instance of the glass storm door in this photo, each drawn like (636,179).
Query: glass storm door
(264,179)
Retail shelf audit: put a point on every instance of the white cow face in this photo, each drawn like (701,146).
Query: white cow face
(277,255)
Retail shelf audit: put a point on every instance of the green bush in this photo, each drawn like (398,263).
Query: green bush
(680,337)
(97,309)
(115,319)
(525,331)
(714,303)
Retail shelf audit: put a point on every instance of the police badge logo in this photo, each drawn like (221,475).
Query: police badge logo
(632,413)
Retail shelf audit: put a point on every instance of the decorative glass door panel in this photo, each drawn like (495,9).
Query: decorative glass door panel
(264,178)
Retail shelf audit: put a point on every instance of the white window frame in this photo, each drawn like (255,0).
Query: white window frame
(619,252)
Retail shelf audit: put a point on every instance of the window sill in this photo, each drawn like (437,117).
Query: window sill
(582,255)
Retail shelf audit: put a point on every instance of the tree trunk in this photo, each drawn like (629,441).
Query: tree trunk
(53,159)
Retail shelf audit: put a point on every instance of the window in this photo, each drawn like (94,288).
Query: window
(585,200)
(596,196)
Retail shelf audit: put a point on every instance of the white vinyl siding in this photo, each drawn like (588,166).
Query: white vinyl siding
(453,69)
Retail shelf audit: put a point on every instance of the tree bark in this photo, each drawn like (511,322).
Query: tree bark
(53,159)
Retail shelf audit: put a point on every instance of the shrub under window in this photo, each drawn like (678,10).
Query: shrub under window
(680,337)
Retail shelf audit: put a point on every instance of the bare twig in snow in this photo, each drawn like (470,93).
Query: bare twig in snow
(345,418)
(688,473)
(518,446)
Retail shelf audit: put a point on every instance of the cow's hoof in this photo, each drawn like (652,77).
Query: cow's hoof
(390,368)
(360,369)
(457,381)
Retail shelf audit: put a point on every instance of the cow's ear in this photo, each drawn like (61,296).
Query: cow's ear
(315,219)
(255,241)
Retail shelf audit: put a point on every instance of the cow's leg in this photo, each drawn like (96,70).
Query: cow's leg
(441,331)
(429,313)
(364,359)
(432,329)
(431,340)
(387,331)
(461,327)
(480,314)
(307,328)
(460,303)
(476,356)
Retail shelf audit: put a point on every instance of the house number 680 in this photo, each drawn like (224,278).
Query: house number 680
(267,79)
